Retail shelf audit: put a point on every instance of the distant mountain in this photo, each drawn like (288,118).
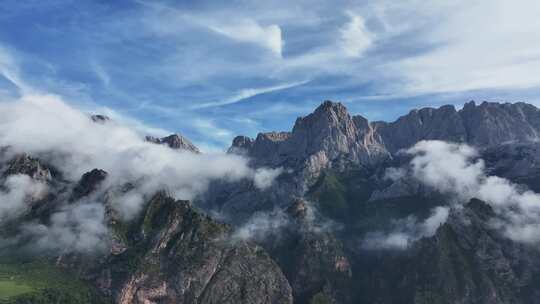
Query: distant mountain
(346,220)
(330,134)
(175,141)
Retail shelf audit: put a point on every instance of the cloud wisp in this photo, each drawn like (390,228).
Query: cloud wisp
(405,231)
(248,93)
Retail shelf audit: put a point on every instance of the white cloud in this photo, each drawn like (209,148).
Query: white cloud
(10,70)
(211,130)
(248,30)
(454,169)
(476,45)
(251,92)
(265,177)
(19,190)
(355,37)
(40,125)
(406,231)
(67,139)
(261,225)
(77,228)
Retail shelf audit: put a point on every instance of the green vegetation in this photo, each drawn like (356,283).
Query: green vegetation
(344,197)
(339,194)
(320,298)
(39,282)
(10,288)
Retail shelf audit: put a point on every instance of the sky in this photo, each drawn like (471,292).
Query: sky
(212,70)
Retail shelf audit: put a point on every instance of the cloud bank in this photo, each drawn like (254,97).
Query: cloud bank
(456,170)
(45,127)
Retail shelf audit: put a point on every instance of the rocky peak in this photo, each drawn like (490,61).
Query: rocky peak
(480,208)
(329,136)
(297,209)
(329,119)
(241,145)
(492,123)
(183,256)
(25,164)
(175,141)
(88,183)
(98,118)
(443,123)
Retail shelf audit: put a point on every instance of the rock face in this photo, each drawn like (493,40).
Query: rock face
(175,141)
(88,183)
(444,123)
(332,194)
(313,258)
(27,165)
(327,137)
(467,261)
(330,137)
(98,118)
(491,124)
(178,255)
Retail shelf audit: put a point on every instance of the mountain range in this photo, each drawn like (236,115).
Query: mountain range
(438,206)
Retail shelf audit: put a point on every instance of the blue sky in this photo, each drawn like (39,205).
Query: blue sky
(215,69)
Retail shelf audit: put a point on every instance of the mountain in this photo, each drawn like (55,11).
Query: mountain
(175,141)
(330,134)
(356,212)
(170,252)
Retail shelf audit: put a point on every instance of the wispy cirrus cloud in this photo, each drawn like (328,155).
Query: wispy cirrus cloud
(251,92)
(187,60)
(250,31)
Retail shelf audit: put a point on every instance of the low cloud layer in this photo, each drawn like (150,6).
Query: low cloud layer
(47,128)
(456,170)
(19,191)
(406,231)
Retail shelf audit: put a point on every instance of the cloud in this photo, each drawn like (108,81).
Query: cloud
(261,225)
(265,177)
(45,127)
(406,231)
(264,225)
(355,37)
(248,93)
(466,52)
(454,169)
(78,228)
(19,191)
(250,31)
(210,130)
(10,70)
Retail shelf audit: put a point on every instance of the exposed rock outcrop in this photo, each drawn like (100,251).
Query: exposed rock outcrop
(177,255)
(98,118)
(175,141)
(27,165)
(88,183)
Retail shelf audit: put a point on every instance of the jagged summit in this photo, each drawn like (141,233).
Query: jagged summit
(327,137)
(98,118)
(331,133)
(27,165)
(175,141)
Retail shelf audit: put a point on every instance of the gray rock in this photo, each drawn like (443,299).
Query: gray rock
(27,165)
(98,118)
(175,141)
(177,255)
(88,183)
